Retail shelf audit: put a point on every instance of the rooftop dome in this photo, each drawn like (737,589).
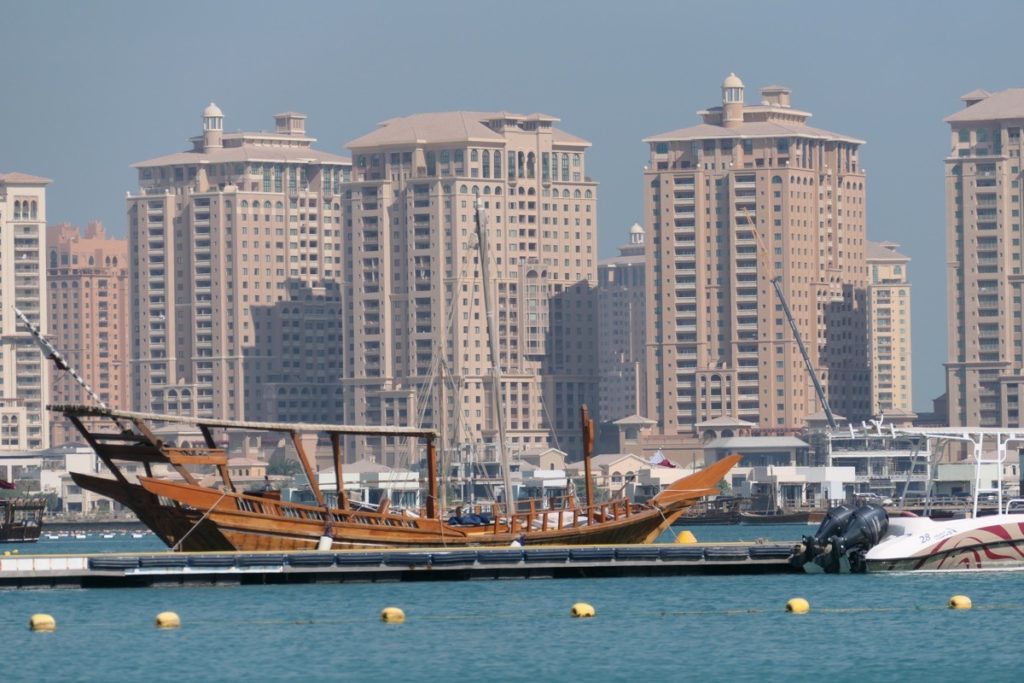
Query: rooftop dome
(212,110)
(732,81)
(636,229)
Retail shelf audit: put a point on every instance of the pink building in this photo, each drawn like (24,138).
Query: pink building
(87,277)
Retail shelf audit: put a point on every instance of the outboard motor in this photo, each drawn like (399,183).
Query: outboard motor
(817,543)
(842,539)
(866,528)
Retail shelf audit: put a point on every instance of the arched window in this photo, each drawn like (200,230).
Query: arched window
(476,190)
(53,258)
(565,167)
(532,192)
(474,155)
(113,262)
(589,194)
(497,190)
(522,164)
(244,204)
(17,209)
(565,193)
(497,164)
(487,189)
(464,189)
(776,180)
(575,160)
(33,209)
(487,164)
(279,205)
(577,194)
(531,165)
(92,261)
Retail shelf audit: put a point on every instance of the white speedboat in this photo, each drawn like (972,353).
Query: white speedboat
(867,539)
(919,543)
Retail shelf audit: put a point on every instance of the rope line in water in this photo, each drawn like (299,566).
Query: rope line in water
(19,623)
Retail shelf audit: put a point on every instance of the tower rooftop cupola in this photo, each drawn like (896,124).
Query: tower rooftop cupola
(636,234)
(213,126)
(732,101)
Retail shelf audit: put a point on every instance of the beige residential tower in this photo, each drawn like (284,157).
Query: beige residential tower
(750,193)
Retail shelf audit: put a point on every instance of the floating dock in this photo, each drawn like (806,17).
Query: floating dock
(118,570)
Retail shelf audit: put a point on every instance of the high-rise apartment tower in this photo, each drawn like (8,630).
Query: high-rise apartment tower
(985,369)
(622,330)
(24,374)
(751,193)
(87,278)
(413,292)
(235,253)
(889,328)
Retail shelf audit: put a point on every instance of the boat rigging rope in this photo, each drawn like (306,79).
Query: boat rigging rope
(205,515)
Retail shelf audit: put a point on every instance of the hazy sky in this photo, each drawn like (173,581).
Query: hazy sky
(90,87)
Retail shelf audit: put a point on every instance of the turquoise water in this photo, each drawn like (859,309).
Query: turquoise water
(860,628)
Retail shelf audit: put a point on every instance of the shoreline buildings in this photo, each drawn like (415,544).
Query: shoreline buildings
(87,278)
(24,373)
(985,370)
(414,317)
(750,193)
(889,333)
(235,270)
(621,322)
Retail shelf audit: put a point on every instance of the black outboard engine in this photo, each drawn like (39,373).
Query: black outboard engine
(866,528)
(843,538)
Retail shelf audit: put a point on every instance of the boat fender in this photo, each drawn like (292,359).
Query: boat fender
(392,615)
(582,610)
(42,622)
(325,543)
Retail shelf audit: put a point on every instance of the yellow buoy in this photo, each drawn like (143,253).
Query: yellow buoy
(798,606)
(960,602)
(686,537)
(42,622)
(392,615)
(583,610)
(168,620)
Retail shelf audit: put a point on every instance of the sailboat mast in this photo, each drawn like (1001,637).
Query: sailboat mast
(497,409)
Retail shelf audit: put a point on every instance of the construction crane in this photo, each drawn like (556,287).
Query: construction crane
(776,281)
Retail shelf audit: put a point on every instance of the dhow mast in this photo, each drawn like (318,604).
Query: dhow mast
(497,407)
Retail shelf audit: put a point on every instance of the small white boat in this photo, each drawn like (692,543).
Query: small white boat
(108,535)
(866,539)
(81,537)
(52,537)
(136,534)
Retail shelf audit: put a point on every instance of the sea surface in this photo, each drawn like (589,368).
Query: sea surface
(892,627)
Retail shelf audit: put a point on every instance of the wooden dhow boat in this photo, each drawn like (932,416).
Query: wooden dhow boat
(189,516)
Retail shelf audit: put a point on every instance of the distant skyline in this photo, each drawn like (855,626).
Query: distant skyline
(92,87)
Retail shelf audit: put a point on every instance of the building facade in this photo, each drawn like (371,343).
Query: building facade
(87,279)
(413,289)
(749,194)
(622,330)
(889,328)
(235,264)
(984,375)
(24,374)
